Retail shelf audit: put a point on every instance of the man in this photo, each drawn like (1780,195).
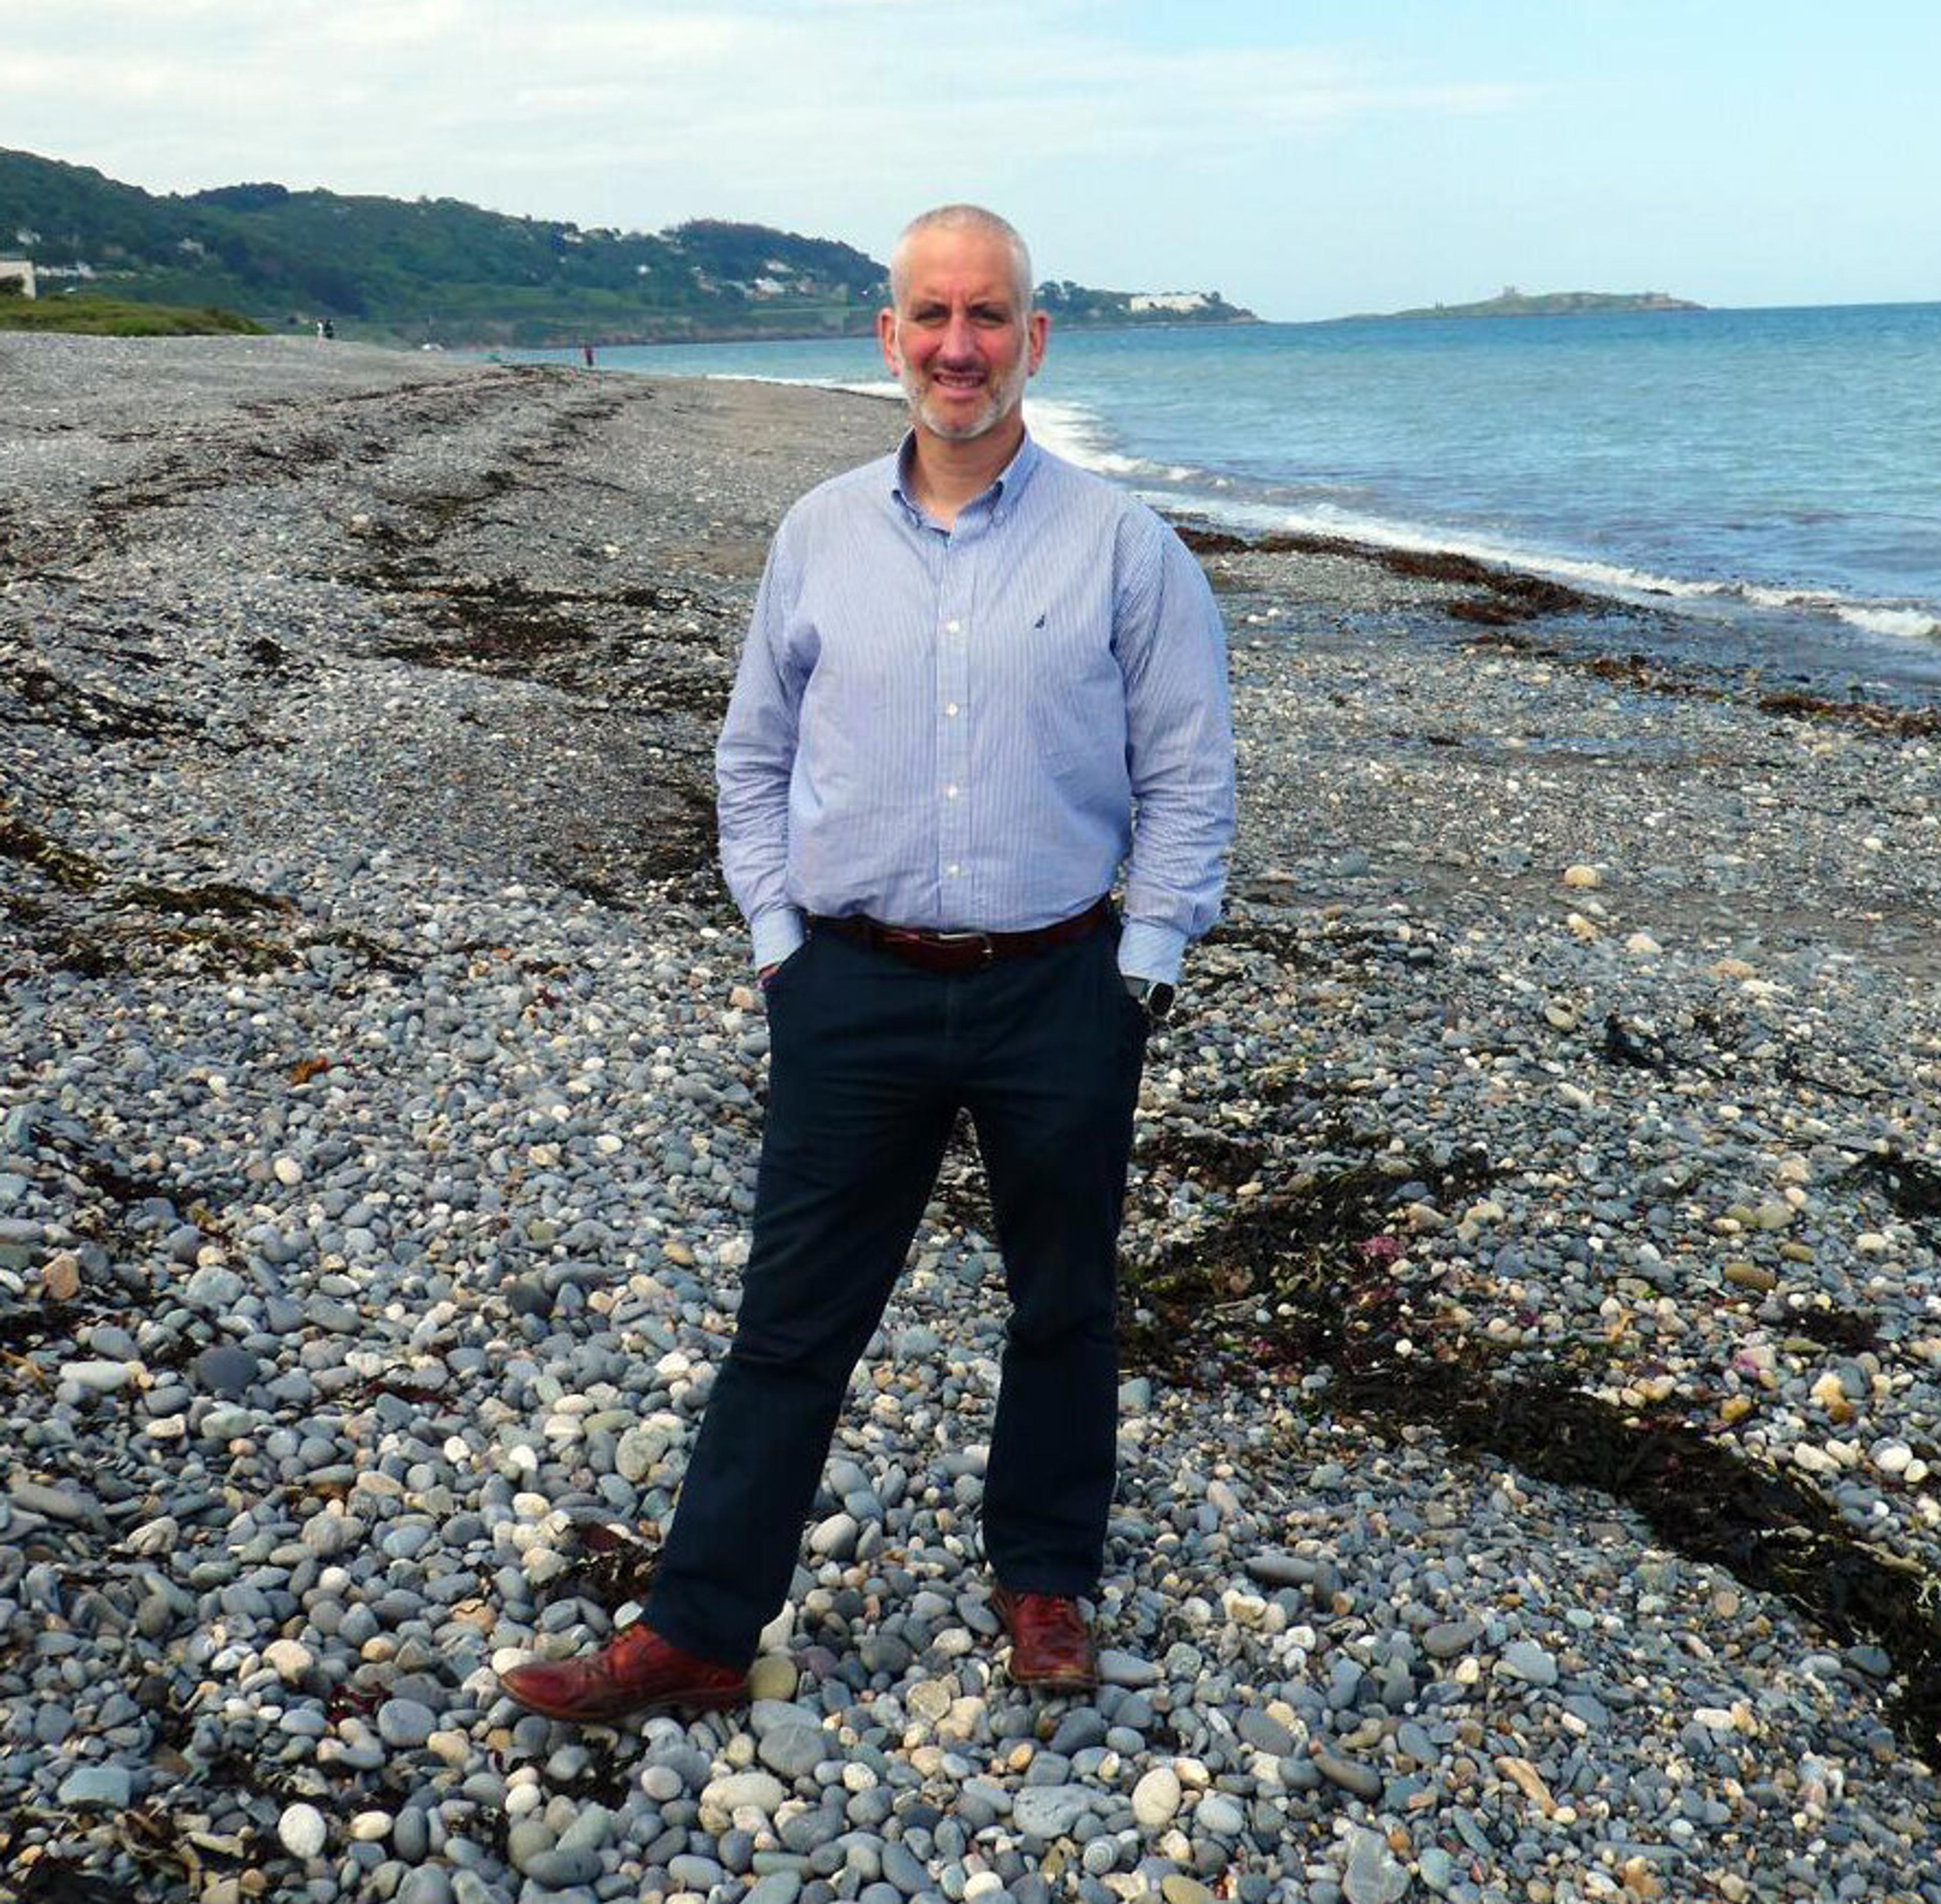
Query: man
(971,668)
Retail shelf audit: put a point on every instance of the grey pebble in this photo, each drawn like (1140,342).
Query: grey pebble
(691,1871)
(1447,1638)
(56,1503)
(98,1788)
(1119,1668)
(405,1723)
(1524,1659)
(557,1868)
(1413,1739)
(792,1750)
(1281,1569)
(1350,1774)
(1050,1811)
(777,1888)
(1265,1733)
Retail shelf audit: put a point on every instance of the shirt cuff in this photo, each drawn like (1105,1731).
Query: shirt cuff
(776,935)
(1147,950)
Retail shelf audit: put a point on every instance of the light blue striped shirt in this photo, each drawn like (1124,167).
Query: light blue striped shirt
(981,728)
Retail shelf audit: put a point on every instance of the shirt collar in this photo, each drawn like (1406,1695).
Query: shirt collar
(1006,487)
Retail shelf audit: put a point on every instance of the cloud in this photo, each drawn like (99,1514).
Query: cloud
(818,113)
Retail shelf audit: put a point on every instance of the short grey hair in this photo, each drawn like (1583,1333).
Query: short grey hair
(964,218)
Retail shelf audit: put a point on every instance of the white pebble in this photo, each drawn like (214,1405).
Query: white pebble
(1155,1798)
(302,1831)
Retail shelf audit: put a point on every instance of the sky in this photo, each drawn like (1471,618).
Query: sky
(1306,158)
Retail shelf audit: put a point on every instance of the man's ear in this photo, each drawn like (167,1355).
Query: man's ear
(1038,332)
(886,336)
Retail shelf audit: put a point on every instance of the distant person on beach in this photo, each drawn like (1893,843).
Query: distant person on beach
(586,350)
(971,667)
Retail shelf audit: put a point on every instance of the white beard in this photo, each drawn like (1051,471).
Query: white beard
(1000,399)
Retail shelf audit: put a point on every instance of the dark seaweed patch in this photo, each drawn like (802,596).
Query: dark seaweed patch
(74,871)
(218,896)
(1912,1188)
(1316,1258)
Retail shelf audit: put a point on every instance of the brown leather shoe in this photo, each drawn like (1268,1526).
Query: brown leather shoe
(637,1672)
(1051,1645)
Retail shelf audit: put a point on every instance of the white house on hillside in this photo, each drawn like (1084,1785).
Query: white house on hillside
(1181,301)
(21,269)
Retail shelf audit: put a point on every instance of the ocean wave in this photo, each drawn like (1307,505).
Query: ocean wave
(1206,493)
(1898,621)
(1076,433)
(1069,430)
(1903,624)
(869,386)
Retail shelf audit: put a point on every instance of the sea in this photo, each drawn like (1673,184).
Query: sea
(1773,475)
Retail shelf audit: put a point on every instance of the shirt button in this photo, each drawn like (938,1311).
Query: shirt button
(950,707)
(952,870)
(951,627)
(950,793)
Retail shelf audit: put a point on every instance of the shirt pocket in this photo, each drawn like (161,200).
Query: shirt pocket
(1075,696)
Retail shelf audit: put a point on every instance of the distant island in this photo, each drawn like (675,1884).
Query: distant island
(438,271)
(1510,303)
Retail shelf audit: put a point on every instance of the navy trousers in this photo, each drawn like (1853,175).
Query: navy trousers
(870,1059)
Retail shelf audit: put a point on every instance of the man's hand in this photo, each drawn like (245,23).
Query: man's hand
(764,973)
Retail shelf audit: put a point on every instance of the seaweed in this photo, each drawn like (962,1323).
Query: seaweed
(219,896)
(589,884)
(24,1328)
(1507,595)
(1316,1258)
(1848,1329)
(1701,1497)
(73,871)
(53,1879)
(1621,1046)
(1913,1188)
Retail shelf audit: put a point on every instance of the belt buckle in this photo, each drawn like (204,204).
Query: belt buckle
(982,940)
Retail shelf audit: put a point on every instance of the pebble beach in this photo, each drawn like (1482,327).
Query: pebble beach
(1529,1486)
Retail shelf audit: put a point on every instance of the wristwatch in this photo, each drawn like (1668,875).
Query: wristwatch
(1155,995)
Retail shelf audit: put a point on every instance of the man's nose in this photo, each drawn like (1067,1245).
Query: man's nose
(959,336)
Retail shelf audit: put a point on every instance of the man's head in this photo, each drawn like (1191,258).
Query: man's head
(961,334)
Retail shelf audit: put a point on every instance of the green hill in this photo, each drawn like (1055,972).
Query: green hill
(438,271)
(116,317)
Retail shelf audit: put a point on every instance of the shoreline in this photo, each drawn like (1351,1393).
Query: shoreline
(380,1082)
(1500,597)
(1820,640)
(863,328)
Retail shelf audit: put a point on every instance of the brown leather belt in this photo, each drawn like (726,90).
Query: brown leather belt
(959,952)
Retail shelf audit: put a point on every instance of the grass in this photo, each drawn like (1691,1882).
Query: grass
(120,317)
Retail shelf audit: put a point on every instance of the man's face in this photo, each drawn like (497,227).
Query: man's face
(959,341)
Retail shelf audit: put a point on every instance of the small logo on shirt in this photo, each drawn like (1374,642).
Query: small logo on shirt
(1040,622)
